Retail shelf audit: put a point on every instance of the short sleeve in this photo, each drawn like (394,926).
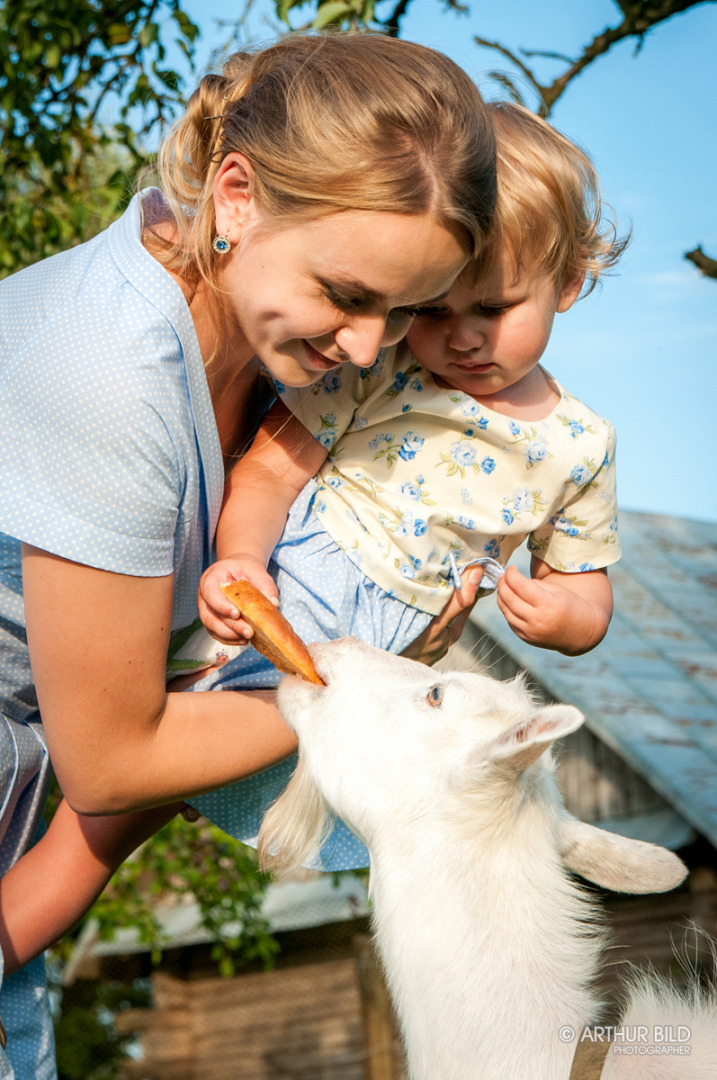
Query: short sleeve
(583,535)
(327,408)
(89,467)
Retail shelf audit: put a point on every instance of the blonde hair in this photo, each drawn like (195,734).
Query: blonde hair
(549,213)
(329,123)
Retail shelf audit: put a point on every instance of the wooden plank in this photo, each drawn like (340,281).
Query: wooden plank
(376,1013)
(302,1021)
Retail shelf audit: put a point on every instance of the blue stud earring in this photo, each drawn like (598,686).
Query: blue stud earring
(221,244)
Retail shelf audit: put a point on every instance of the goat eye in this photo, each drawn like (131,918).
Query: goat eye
(435,696)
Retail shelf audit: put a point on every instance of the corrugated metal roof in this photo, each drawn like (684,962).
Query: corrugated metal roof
(649,690)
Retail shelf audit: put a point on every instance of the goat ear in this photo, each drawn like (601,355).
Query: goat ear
(521,745)
(617,862)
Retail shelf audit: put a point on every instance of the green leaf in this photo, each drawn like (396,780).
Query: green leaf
(118,34)
(52,55)
(332,12)
(366,13)
(185,24)
(148,34)
(283,7)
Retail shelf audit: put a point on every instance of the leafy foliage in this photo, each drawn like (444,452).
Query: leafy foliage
(180,863)
(341,14)
(88,1046)
(81,81)
(183,861)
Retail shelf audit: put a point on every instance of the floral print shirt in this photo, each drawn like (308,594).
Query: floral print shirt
(417,473)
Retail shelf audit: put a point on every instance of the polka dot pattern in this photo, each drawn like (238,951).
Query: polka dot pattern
(109,455)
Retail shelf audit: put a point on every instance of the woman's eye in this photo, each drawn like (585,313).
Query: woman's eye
(426,312)
(397,314)
(434,696)
(345,303)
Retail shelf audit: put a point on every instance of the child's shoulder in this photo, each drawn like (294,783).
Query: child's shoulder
(573,412)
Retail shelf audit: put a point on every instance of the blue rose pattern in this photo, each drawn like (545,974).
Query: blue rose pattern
(467,476)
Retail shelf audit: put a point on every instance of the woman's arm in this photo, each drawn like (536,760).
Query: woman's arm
(566,612)
(52,886)
(98,645)
(259,493)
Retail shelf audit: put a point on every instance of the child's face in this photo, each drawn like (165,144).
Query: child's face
(487,337)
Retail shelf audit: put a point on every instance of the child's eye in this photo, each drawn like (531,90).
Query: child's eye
(494,312)
(434,696)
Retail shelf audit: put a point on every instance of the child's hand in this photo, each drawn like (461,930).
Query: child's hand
(219,615)
(444,630)
(551,613)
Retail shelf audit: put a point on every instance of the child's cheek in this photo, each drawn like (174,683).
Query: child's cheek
(419,339)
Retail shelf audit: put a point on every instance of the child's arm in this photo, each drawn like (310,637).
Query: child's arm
(566,612)
(258,496)
(44,894)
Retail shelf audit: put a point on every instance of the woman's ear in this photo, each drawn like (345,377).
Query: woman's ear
(569,292)
(234,195)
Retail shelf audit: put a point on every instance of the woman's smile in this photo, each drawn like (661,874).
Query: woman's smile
(318,359)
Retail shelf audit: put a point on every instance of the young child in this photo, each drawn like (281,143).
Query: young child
(452,449)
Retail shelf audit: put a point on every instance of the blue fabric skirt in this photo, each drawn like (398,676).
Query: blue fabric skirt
(24,1005)
(324,596)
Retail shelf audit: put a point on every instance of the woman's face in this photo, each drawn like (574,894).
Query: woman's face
(313,295)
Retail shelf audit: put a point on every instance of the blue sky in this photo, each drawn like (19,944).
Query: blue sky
(643,349)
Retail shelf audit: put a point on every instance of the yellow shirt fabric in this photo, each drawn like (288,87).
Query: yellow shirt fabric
(416,472)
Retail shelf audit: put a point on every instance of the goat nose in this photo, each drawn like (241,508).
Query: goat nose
(329,655)
(320,653)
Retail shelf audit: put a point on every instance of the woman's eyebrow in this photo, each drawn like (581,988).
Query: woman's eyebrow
(359,288)
(353,285)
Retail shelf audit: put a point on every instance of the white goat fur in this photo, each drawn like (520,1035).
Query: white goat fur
(489,946)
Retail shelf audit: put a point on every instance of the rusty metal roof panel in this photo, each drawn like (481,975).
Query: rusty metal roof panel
(649,691)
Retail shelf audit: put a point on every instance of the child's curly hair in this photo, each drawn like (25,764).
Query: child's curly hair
(549,212)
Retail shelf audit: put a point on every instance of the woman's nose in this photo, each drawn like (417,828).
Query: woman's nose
(362,339)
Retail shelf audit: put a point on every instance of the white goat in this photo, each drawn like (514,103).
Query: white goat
(489,946)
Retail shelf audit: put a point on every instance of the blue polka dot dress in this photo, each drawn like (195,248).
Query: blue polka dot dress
(109,456)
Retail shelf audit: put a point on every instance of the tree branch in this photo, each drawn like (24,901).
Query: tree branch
(393,22)
(514,60)
(639,16)
(704,263)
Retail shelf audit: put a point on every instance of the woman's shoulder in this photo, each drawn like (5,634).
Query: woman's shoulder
(78,316)
(108,288)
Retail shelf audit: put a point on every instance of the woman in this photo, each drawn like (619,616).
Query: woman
(310,198)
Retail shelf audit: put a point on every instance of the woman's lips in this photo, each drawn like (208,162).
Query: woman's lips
(318,360)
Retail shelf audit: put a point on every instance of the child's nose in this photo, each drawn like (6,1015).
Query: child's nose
(464,336)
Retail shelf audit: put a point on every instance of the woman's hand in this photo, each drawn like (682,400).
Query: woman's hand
(445,629)
(220,616)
